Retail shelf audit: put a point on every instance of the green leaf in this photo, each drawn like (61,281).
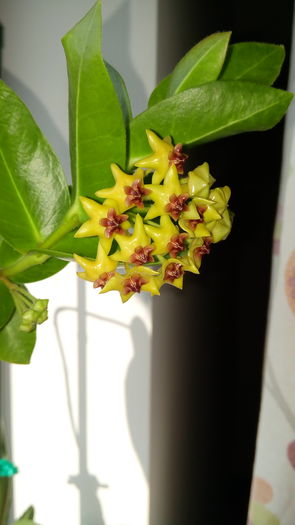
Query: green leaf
(160,92)
(6,305)
(40,271)
(28,514)
(24,522)
(16,346)
(86,247)
(121,90)
(209,112)
(97,127)
(254,62)
(34,195)
(201,64)
(7,254)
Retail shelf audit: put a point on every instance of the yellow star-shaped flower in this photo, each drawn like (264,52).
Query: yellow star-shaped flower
(128,244)
(194,228)
(133,281)
(161,235)
(158,160)
(119,192)
(220,196)
(93,227)
(172,273)
(199,181)
(206,208)
(164,195)
(93,270)
(219,230)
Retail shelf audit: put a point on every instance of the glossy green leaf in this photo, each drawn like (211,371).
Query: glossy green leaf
(6,305)
(16,346)
(86,247)
(8,255)
(121,90)
(97,127)
(201,64)
(254,62)
(160,92)
(40,271)
(209,112)
(34,195)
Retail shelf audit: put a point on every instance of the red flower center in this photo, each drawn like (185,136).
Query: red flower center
(103,279)
(193,222)
(173,271)
(177,157)
(176,244)
(112,223)
(142,255)
(177,205)
(133,284)
(204,249)
(135,193)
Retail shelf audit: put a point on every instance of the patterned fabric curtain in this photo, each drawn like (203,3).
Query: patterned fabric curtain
(273,487)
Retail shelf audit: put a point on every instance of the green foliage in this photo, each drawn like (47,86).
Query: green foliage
(8,255)
(160,92)
(16,346)
(34,194)
(200,65)
(6,305)
(209,112)
(253,61)
(121,91)
(40,271)
(97,128)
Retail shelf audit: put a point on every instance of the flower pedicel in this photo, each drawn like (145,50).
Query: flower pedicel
(154,224)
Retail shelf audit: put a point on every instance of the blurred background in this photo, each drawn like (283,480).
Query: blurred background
(148,412)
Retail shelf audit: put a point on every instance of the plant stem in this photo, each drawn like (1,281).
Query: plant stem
(34,258)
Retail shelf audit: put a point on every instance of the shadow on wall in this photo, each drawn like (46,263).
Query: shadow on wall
(137,404)
(116,49)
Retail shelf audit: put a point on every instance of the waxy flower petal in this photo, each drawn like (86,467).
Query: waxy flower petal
(220,196)
(158,160)
(128,244)
(219,230)
(199,181)
(172,272)
(93,227)
(162,234)
(118,191)
(162,193)
(94,269)
(135,280)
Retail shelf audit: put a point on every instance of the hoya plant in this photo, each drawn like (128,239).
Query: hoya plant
(134,218)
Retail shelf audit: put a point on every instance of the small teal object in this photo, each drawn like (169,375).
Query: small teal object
(7,469)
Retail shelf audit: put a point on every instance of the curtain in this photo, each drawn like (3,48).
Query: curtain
(273,487)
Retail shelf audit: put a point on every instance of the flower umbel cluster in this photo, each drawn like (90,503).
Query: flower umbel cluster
(154,224)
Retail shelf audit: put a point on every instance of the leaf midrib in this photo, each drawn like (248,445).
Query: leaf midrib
(197,65)
(26,210)
(233,122)
(77,121)
(256,64)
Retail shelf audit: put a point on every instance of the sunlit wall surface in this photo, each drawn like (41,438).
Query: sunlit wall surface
(79,414)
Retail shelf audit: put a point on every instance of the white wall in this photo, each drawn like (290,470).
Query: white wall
(89,381)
